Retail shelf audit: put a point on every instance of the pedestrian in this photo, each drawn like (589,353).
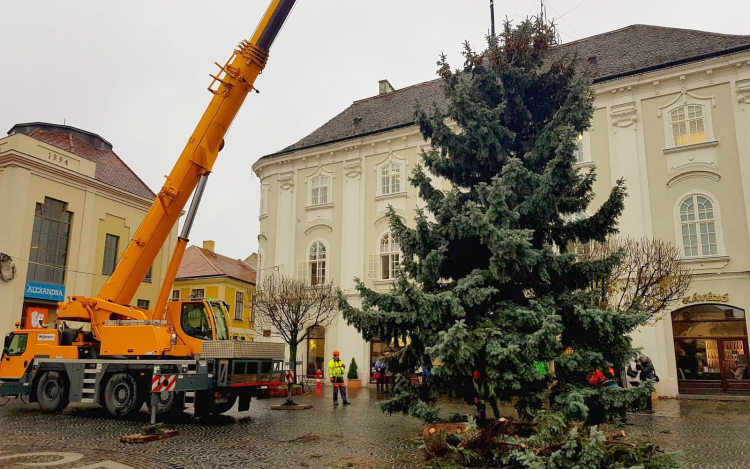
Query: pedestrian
(379,376)
(646,367)
(336,373)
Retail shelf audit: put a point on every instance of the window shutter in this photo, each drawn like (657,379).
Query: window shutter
(372,270)
(302,270)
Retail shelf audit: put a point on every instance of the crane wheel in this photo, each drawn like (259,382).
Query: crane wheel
(170,403)
(121,395)
(53,391)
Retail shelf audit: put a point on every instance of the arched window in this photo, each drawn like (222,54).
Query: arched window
(390,178)
(687,124)
(317,256)
(319,190)
(698,226)
(390,256)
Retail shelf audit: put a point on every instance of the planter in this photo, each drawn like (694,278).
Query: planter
(354,383)
(296,390)
(276,392)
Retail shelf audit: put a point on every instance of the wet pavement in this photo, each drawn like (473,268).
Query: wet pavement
(709,434)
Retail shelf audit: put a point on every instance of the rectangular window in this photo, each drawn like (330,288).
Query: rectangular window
(319,190)
(578,152)
(239,305)
(175,294)
(143,304)
(390,179)
(197,293)
(688,125)
(111,245)
(50,238)
(147,278)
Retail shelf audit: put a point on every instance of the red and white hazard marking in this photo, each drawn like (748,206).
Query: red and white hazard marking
(161,383)
(289,376)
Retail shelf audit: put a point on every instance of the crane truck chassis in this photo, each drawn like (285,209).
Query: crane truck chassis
(226,372)
(179,352)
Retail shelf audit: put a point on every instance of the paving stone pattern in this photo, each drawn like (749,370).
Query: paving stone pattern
(710,435)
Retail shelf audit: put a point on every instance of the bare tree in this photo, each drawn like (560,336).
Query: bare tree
(650,277)
(289,308)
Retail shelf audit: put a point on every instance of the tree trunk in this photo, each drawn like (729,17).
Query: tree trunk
(293,359)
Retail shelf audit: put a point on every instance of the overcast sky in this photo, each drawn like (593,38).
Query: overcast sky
(136,72)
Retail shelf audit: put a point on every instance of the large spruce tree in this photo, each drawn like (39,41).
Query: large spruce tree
(488,289)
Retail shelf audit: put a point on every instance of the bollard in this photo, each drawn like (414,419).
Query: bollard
(319,381)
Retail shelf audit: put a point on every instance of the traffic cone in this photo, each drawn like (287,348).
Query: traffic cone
(318,387)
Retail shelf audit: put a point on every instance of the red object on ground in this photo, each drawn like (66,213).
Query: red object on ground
(319,379)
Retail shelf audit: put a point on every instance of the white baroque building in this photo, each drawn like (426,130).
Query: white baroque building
(672,117)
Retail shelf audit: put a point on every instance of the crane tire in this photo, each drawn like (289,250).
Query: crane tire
(170,403)
(121,395)
(53,391)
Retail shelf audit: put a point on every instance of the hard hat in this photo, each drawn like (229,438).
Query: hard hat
(336,352)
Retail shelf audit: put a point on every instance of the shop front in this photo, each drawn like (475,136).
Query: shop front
(711,347)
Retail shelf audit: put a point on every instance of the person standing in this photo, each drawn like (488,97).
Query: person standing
(646,367)
(336,373)
(379,375)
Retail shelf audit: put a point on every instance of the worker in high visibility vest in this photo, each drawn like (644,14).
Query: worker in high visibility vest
(336,373)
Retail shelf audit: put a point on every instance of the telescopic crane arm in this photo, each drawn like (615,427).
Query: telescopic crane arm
(235,80)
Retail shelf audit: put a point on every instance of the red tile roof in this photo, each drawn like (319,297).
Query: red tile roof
(110,169)
(202,263)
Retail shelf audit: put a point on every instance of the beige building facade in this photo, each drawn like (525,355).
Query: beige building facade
(70,206)
(672,117)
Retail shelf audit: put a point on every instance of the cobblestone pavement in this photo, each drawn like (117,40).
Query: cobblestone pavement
(709,434)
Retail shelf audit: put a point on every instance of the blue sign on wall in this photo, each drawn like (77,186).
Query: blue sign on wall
(44,291)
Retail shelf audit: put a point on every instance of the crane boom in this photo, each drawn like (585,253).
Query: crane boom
(235,80)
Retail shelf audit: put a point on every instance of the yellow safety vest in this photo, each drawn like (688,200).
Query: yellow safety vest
(336,369)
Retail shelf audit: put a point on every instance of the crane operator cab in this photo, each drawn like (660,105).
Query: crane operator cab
(197,320)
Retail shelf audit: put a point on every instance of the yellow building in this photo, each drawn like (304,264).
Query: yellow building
(70,206)
(671,117)
(206,274)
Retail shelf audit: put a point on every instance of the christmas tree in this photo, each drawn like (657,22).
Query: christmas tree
(488,290)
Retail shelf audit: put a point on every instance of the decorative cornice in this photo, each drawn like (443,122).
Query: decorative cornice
(684,95)
(286,180)
(623,115)
(319,224)
(12,157)
(693,174)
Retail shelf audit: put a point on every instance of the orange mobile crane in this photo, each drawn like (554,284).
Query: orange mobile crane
(181,348)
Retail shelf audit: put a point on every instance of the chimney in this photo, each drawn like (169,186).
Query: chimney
(385,87)
(209,245)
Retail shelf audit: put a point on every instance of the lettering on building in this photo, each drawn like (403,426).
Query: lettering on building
(59,159)
(706,298)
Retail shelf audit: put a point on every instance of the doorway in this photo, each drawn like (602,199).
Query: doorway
(316,350)
(711,350)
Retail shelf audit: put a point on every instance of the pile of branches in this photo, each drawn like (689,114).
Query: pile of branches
(546,443)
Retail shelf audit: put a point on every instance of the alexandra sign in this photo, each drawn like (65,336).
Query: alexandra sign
(706,298)
(44,291)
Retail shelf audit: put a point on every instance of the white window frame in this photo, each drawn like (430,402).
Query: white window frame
(314,181)
(312,261)
(320,190)
(717,220)
(392,255)
(391,161)
(688,99)
(390,182)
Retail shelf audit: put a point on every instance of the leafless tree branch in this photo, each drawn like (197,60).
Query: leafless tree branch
(650,278)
